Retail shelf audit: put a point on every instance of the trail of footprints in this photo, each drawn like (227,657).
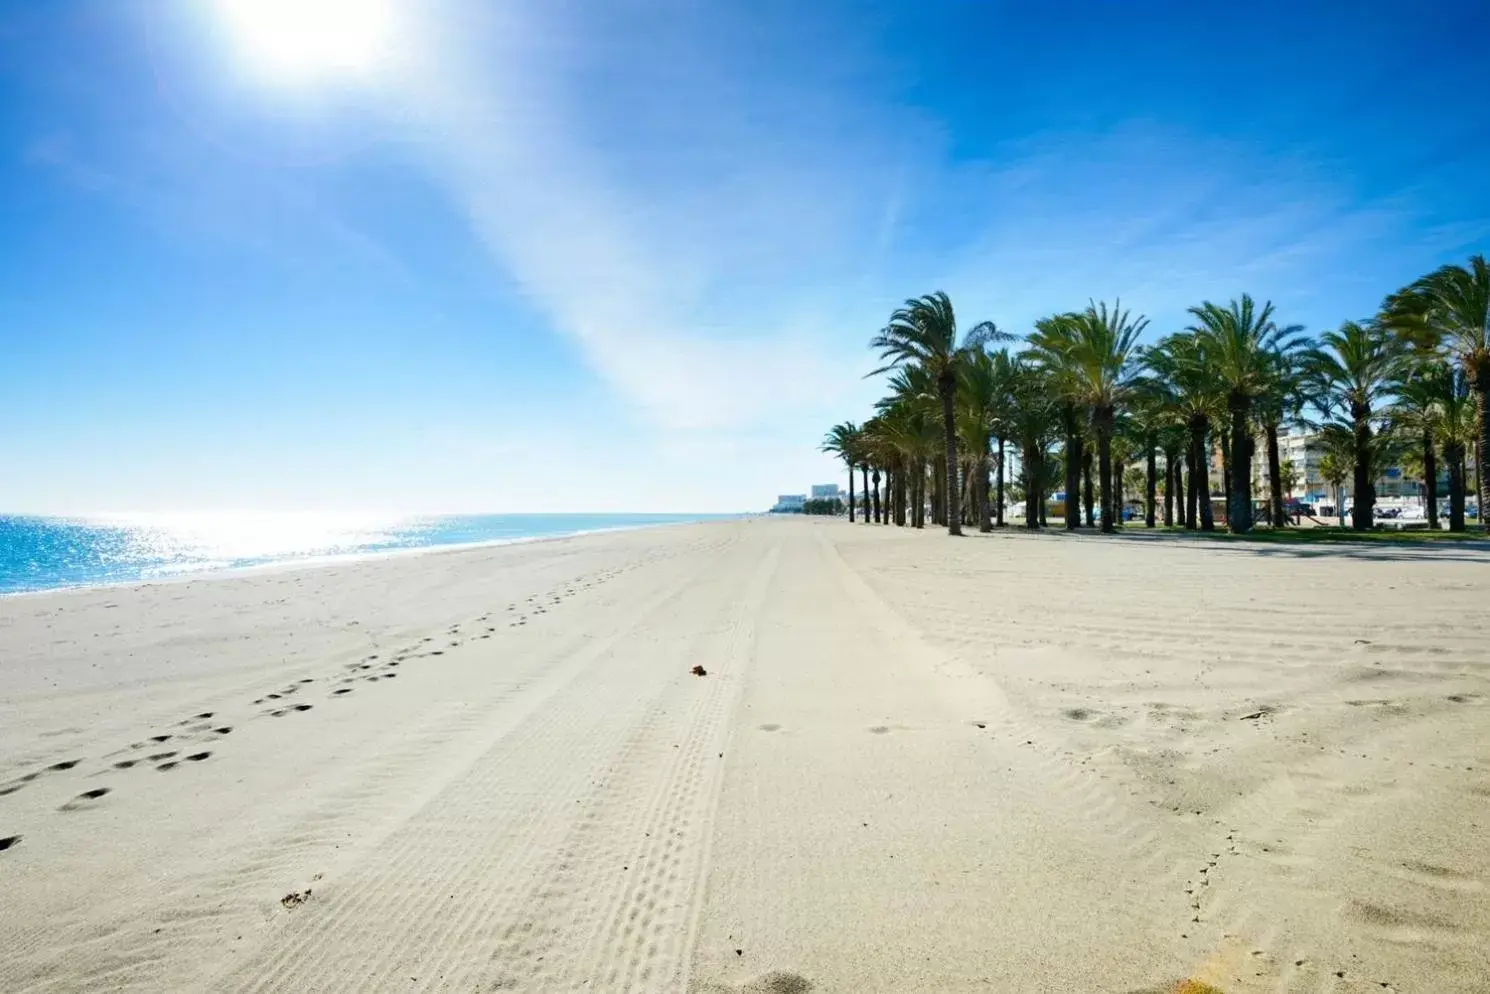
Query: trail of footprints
(182,745)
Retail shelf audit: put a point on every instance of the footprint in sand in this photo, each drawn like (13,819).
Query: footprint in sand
(772,727)
(344,690)
(8,841)
(281,712)
(85,799)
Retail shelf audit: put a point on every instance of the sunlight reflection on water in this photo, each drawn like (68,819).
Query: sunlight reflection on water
(42,553)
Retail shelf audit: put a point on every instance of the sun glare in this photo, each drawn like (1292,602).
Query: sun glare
(294,39)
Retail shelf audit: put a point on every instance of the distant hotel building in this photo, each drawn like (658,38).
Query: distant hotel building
(1302,452)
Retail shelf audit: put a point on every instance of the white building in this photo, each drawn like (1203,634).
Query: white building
(1299,455)
(826,491)
(790,504)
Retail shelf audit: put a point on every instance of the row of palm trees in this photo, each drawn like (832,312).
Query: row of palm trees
(1411,385)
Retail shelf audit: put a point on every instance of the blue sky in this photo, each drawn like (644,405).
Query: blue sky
(626,255)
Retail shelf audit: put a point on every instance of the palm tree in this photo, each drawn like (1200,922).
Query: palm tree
(1335,465)
(981,405)
(1172,436)
(1353,369)
(1281,404)
(1090,353)
(878,441)
(1031,422)
(1002,421)
(911,432)
(1450,309)
(1418,412)
(1458,426)
(1048,346)
(923,333)
(843,441)
(1149,418)
(1194,400)
(1239,344)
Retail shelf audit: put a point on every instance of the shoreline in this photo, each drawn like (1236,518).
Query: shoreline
(317,562)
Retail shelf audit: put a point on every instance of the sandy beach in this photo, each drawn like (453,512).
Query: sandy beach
(1003,763)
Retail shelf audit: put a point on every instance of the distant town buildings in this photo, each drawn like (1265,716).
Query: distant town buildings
(798,503)
(1299,456)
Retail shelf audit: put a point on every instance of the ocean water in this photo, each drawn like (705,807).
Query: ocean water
(39,553)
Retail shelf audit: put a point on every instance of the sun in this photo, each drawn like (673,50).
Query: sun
(292,40)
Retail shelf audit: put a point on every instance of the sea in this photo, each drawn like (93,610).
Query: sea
(44,553)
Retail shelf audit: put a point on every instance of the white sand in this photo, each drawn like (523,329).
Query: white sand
(1007,763)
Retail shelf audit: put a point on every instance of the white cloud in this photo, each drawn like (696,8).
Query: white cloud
(686,297)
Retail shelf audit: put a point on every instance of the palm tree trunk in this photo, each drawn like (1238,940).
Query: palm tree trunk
(1364,485)
(918,497)
(1455,456)
(1151,483)
(1119,495)
(902,487)
(1073,469)
(864,474)
(1177,463)
(1103,419)
(1031,471)
(1086,472)
(971,503)
(875,494)
(980,486)
(1192,506)
(1239,493)
(947,386)
(1430,478)
(1482,444)
(1000,482)
(1275,478)
(1226,465)
(1199,472)
(1169,489)
(851,493)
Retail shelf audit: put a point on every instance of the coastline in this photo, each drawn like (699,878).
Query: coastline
(333,559)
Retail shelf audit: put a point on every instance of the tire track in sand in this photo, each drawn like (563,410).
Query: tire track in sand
(449,892)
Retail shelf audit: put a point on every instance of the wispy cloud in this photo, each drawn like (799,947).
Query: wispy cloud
(687,275)
(719,255)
